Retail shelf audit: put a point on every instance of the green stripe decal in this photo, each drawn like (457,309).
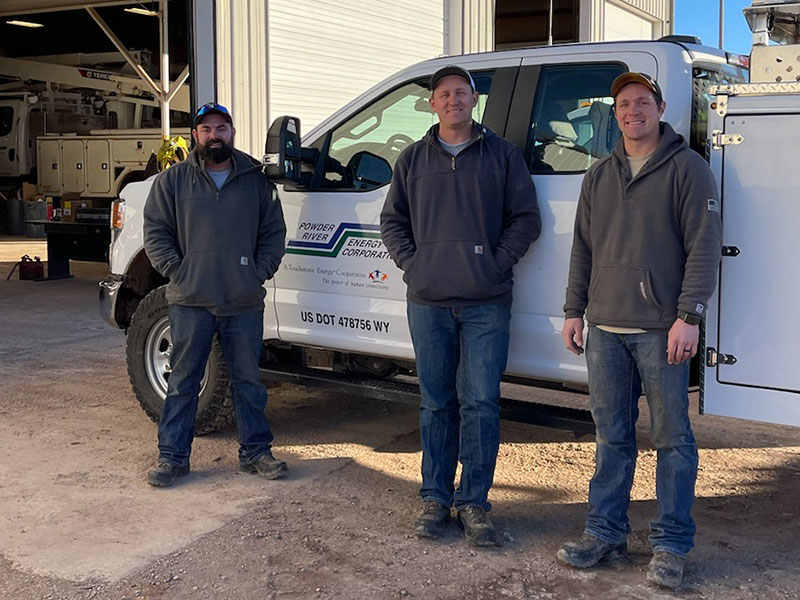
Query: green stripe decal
(374,235)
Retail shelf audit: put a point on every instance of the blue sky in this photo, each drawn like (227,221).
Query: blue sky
(701,17)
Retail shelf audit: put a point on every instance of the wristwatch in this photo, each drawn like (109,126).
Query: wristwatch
(689,318)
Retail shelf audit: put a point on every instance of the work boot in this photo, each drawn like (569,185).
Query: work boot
(666,569)
(266,465)
(589,550)
(431,520)
(165,474)
(478,528)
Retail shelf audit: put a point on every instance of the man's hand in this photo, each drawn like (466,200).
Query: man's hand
(572,332)
(682,342)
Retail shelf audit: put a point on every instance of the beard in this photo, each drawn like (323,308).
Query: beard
(215,155)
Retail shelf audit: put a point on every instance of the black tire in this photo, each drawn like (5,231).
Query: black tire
(147,355)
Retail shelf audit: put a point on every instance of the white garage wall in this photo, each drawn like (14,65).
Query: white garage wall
(621,24)
(241,29)
(323,53)
(625,19)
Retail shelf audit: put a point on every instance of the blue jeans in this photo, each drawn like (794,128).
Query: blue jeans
(619,365)
(193,331)
(461,354)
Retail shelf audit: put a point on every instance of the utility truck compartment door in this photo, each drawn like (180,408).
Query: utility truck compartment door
(98,163)
(49,160)
(753,324)
(73,160)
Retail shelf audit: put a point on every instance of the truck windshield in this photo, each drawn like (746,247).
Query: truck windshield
(6,120)
(704,75)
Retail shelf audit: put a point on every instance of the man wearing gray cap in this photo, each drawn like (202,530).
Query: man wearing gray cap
(645,254)
(460,213)
(214,228)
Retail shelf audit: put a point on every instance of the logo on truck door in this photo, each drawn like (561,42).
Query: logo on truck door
(353,240)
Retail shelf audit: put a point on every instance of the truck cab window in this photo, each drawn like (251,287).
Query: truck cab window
(703,77)
(384,129)
(6,120)
(572,123)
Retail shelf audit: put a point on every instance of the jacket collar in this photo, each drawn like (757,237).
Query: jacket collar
(241,163)
(670,143)
(478,132)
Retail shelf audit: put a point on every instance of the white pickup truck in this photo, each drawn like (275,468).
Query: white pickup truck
(335,311)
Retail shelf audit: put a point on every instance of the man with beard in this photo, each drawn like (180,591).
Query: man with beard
(214,227)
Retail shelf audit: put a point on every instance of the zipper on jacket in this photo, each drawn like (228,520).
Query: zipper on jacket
(452,163)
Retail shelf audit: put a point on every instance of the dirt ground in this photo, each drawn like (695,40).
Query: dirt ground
(77,520)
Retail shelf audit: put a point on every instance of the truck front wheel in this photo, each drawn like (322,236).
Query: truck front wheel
(148,352)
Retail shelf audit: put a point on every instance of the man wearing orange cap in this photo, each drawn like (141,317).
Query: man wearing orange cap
(645,254)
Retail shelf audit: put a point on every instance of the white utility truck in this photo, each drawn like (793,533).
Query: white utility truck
(74,127)
(335,311)
(752,323)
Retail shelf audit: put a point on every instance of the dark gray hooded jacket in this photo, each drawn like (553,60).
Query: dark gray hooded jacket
(217,247)
(457,225)
(645,247)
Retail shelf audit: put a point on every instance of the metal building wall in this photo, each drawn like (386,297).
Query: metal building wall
(469,26)
(657,8)
(593,14)
(323,53)
(241,29)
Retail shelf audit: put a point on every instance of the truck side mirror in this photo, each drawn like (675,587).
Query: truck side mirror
(282,152)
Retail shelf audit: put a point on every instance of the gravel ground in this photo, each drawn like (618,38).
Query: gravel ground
(77,520)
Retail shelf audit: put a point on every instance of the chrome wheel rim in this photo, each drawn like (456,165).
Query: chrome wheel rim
(158,352)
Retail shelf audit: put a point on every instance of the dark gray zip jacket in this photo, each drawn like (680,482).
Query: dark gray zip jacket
(217,247)
(648,247)
(457,225)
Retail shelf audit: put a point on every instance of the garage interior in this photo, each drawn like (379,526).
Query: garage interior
(101,38)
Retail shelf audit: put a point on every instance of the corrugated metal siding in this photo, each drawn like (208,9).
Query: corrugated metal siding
(656,8)
(593,15)
(242,69)
(478,17)
(322,53)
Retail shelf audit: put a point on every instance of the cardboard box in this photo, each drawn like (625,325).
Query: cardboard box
(28,192)
(70,203)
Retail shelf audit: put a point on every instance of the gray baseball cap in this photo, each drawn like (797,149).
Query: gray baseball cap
(447,72)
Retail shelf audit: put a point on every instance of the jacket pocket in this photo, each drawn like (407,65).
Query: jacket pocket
(456,269)
(622,294)
(216,278)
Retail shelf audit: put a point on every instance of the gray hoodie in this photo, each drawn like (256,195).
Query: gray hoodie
(458,224)
(649,246)
(217,247)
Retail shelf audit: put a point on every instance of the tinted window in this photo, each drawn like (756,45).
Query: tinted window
(703,77)
(387,126)
(6,120)
(572,123)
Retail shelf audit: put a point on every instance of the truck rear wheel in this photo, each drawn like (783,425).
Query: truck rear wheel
(148,350)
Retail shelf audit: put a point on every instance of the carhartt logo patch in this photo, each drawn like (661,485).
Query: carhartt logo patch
(478,249)
(244,261)
(713,205)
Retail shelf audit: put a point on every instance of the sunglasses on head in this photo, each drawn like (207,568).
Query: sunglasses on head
(212,106)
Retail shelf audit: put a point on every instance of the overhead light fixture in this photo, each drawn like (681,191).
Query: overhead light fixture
(30,24)
(145,12)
